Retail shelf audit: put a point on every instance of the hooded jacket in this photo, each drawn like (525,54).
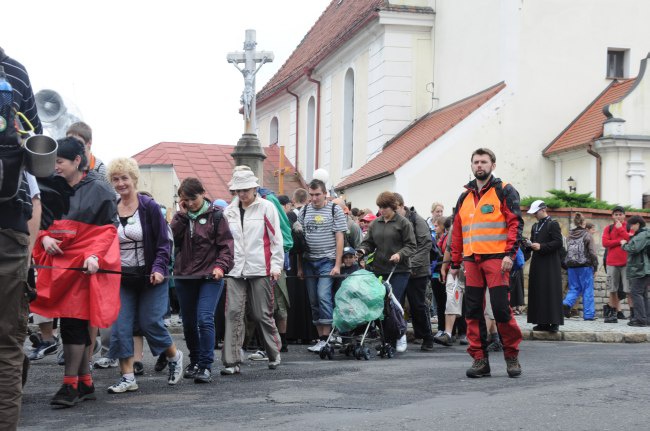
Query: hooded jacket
(202,245)
(590,247)
(638,262)
(258,240)
(612,237)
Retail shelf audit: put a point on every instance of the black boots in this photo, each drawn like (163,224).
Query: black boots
(609,314)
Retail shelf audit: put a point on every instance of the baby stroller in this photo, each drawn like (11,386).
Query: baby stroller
(364,313)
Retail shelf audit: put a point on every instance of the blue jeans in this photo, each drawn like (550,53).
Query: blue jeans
(581,283)
(198,300)
(319,289)
(143,307)
(398,281)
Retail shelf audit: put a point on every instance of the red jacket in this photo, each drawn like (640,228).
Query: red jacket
(612,237)
(65,293)
(510,210)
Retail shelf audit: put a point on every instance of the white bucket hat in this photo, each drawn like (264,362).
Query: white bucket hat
(536,206)
(242,180)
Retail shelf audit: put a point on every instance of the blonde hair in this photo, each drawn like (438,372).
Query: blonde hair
(124,165)
(436,205)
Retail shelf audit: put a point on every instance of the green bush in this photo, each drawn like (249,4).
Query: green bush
(562,199)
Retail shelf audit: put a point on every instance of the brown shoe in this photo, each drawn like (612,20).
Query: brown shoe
(513,367)
(479,368)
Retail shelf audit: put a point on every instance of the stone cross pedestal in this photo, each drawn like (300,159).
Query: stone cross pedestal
(249,151)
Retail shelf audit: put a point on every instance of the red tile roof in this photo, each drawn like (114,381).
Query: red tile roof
(213,165)
(340,22)
(418,136)
(589,124)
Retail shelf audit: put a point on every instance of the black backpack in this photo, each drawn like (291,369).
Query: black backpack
(12,153)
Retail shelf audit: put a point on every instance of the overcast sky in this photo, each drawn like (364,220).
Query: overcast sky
(143,72)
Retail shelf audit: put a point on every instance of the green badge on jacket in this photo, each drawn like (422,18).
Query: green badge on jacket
(487,209)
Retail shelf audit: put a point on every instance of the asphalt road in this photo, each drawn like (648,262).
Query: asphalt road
(575,386)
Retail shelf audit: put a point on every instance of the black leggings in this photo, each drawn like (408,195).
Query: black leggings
(74,331)
(440,293)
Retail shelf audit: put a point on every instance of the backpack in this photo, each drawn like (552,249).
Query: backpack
(285,226)
(576,254)
(12,154)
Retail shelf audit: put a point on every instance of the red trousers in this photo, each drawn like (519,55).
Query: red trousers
(482,274)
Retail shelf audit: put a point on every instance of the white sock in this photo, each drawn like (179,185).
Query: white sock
(448,333)
(176,357)
(129,376)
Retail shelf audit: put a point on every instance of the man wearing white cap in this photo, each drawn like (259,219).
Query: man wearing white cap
(545,276)
(259,258)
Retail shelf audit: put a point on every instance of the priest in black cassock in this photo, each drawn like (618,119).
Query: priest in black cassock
(545,275)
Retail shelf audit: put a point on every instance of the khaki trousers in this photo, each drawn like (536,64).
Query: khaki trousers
(14,261)
(259,293)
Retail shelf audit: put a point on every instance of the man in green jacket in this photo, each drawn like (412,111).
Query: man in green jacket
(638,269)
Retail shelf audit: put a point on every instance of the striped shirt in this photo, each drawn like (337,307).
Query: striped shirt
(15,213)
(320,227)
(23,96)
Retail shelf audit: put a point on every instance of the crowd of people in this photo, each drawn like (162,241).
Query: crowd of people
(256,268)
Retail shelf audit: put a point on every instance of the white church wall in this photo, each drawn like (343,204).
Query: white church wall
(365,195)
(441,170)
(551,54)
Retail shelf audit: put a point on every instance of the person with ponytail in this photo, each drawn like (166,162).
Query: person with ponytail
(582,264)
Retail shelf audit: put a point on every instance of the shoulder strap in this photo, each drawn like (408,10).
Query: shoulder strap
(611,226)
(217,215)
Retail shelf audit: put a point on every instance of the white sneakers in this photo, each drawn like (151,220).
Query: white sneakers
(122,386)
(260,355)
(316,347)
(274,364)
(106,363)
(175,370)
(229,371)
(401,345)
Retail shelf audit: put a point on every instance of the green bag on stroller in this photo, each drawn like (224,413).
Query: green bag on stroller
(359,300)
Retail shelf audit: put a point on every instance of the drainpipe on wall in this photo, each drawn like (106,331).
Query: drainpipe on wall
(310,79)
(599,162)
(297,135)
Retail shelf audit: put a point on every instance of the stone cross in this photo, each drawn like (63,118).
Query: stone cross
(250,59)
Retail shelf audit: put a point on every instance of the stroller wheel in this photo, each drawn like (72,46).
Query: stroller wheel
(357,352)
(323,351)
(366,353)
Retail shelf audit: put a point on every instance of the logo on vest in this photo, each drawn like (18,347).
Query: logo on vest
(487,209)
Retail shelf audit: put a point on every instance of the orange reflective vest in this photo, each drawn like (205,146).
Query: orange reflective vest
(484,226)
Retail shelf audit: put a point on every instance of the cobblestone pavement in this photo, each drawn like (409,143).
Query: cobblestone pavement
(577,329)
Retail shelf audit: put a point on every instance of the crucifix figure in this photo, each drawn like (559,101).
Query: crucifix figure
(250,59)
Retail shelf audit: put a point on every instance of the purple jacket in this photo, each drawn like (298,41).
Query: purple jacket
(155,236)
(206,247)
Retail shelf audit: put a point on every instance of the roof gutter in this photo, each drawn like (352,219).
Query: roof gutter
(599,166)
(297,117)
(317,151)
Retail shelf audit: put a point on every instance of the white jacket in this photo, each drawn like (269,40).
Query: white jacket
(258,246)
